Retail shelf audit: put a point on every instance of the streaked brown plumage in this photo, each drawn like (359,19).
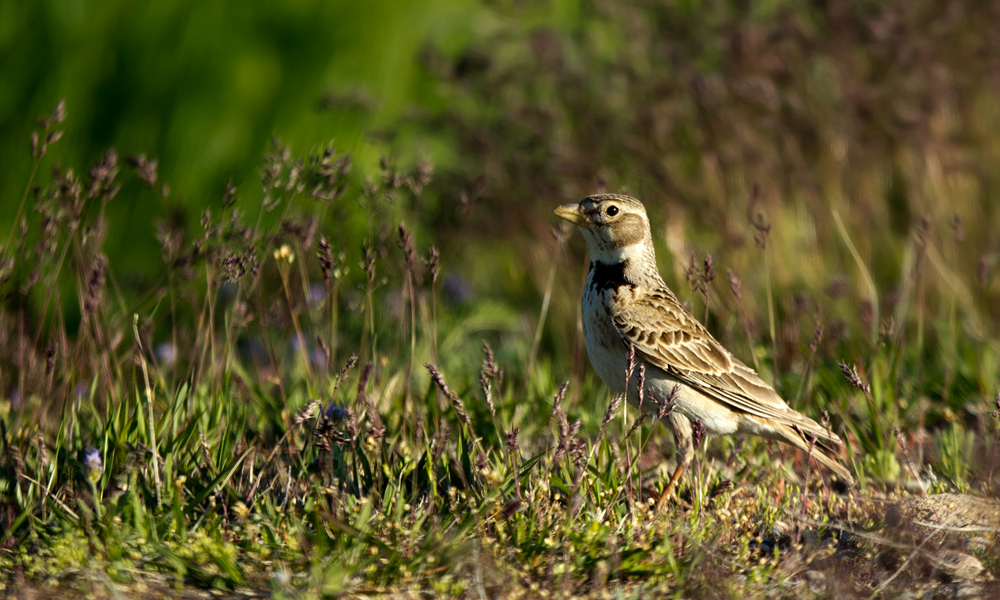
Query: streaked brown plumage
(626,303)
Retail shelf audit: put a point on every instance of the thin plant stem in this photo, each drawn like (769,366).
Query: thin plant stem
(295,321)
(770,319)
(149,406)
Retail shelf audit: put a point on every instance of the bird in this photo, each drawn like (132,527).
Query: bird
(632,319)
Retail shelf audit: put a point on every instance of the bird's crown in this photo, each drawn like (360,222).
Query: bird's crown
(609,208)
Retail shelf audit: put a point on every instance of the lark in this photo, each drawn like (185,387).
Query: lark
(627,305)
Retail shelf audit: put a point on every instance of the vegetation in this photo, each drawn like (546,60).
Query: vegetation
(360,380)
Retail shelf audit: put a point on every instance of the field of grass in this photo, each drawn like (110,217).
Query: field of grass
(355,381)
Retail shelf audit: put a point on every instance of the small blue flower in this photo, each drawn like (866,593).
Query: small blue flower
(93,465)
(334,411)
(166,354)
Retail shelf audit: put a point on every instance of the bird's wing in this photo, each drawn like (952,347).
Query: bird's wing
(666,336)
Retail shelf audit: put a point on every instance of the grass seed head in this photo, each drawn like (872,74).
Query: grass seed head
(854,378)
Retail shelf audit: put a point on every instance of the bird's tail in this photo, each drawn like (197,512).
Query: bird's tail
(822,450)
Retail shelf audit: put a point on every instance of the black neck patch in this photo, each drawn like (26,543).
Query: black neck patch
(604,276)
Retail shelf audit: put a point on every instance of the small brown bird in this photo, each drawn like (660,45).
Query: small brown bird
(626,303)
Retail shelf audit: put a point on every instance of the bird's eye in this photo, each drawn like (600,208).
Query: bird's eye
(612,211)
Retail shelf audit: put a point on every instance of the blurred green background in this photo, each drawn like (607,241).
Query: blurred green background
(716,113)
(203,86)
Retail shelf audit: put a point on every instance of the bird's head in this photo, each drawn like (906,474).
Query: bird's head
(615,226)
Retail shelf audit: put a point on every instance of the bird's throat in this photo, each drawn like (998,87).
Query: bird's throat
(608,276)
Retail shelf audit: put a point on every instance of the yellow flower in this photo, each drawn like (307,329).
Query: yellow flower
(284,253)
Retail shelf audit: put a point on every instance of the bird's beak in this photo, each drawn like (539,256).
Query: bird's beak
(571,212)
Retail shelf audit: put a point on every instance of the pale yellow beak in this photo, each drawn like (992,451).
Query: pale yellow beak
(571,212)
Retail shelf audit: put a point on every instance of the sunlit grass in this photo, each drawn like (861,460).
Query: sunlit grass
(386,391)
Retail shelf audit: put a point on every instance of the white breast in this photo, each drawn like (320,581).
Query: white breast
(608,353)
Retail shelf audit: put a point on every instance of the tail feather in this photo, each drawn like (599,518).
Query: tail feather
(834,464)
(821,450)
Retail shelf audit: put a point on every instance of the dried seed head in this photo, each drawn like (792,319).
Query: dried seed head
(853,378)
(487,375)
(229,196)
(812,446)
(392,177)
(698,432)
(368,263)
(96,278)
(456,403)
(307,412)
(58,116)
(557,411)
(432,263)
(236,265)
(708,275)
(629,364)
(691,274)
(666,405)
(425,171)
(102,176)
(325,254)
(638,423)
(409,249)
(490,367)
(351,362)
(612,408)
(735,284)
(421,177)
(145,168)
(512,445)
(817,336)
(366,374)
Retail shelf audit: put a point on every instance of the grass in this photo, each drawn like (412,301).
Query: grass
(373,383)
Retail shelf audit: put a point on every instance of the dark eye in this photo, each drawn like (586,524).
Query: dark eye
(612,211)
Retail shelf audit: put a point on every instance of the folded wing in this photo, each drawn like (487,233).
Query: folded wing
(667,337)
